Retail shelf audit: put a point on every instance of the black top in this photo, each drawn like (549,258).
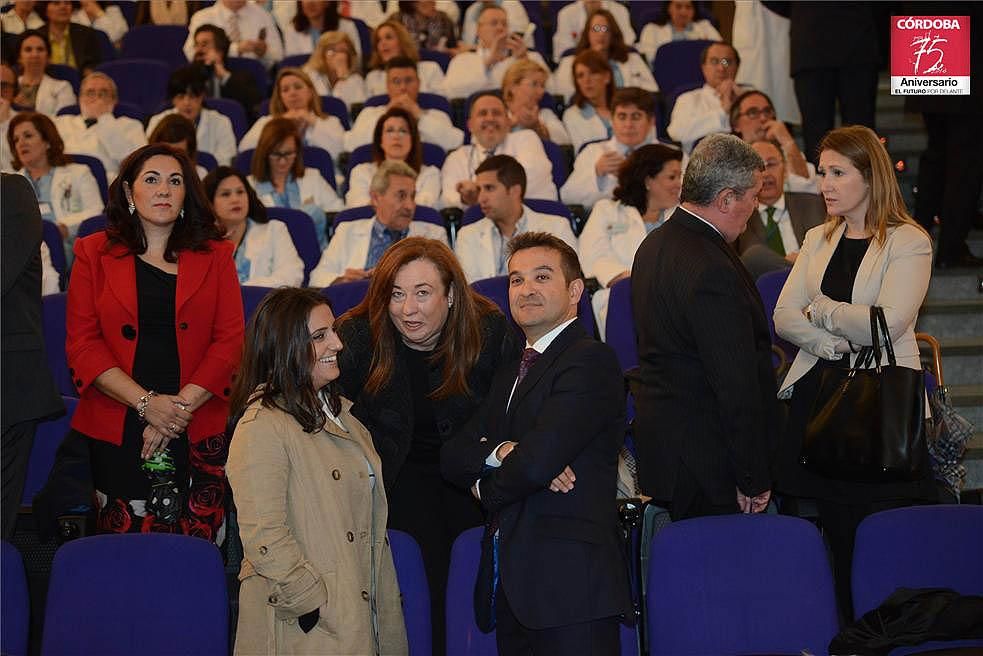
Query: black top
(841,272)
(426,442)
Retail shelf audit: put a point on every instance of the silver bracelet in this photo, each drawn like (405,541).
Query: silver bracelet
(143,403)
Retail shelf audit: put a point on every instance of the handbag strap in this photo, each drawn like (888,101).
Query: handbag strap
(875,337)
(888,344)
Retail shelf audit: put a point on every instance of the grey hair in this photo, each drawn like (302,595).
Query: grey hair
(386,170)
(719,162)
(99,75)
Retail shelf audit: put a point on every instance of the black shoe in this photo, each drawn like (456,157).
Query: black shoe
(964,261)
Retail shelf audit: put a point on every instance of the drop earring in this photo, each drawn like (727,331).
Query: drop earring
(130,206)
(181,213)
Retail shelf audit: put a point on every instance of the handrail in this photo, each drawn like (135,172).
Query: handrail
(936,355)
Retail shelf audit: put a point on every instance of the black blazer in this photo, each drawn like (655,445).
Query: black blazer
(85,46)
(564,548)
(28,389)
(706,398)
(389,414)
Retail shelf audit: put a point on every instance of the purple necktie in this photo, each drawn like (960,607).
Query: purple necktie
(529,357)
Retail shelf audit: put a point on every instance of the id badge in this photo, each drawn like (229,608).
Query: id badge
(45,209)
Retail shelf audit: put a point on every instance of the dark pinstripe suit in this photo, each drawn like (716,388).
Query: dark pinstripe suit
(707,414)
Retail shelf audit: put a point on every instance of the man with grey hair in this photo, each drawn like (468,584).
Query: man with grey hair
(95,130)
(707,413)
(357,245)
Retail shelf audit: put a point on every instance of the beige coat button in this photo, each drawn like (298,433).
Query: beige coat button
(335,474)
(262,551)
(365,595)
(351,536)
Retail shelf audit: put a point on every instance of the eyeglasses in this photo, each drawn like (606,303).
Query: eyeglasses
(400,131)
(720,61)
(97,93)
(283,154)
(757,112)
(599,28)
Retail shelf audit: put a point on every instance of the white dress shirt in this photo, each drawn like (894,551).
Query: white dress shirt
(110,139)
(427,185)
(570,21)
(251,18)
(634,72)
(434,126)
(696,114)
(784,221)
(468,74)
(213,133)
(524,145)
(655,36)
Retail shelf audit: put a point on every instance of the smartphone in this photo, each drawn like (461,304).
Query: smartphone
(262,34)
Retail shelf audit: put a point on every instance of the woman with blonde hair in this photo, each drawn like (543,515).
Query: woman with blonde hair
(869,252)
(334,68)
(523,86)
(390,40)
(295,98)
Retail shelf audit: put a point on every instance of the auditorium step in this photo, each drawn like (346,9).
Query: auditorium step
(962,359)
(951,318)
(967,400)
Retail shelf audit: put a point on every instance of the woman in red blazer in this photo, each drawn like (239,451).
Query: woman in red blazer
(155,329)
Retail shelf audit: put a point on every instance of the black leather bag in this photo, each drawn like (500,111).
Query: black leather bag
(867,425)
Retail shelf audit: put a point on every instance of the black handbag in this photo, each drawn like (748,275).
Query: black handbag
(867,425)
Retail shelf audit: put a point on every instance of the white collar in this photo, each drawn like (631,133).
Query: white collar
(544,342)
(779,205)
(704,221)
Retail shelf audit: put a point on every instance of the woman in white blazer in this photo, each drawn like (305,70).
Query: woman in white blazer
(588,118)
(396,137)
(602,34)
(296,99)
(523,87)
(333,68)
(648,190)
(390,40)
(37,90)
(309,22)
(264,252)
(869,252)
(67,193)
(281,179)
(676,24)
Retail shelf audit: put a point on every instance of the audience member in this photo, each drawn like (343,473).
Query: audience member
(752,118)
(430,28)
(357,245)
(186,91)
(294,98)
(595,170)
(264,253)
(517,22)
(824,310)
(154,393)
(773,236)
(280,178)
(403,88)
(29,393)
(490,135)
(8,91)
(334,69)
(71,44)
(166,12)
(497,49)
(603,35)
(21,17)
(572,19)
(482,247)
(588,118)
(420,353)
(391,40)
(67,193)
(95,130)
(676,22)
(178,133)
(102,16)
(251,30)
(36,89)
(541,455)
(706,110)
(707,414)
(211,49)
(311,19)
(293,516)
(844,76)
(523,87)
(647,194)
(396,138)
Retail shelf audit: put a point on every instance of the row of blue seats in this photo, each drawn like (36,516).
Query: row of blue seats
(776,597)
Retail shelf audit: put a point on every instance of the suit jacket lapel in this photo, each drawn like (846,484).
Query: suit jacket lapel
(192,267)
(545,361)
(121,277)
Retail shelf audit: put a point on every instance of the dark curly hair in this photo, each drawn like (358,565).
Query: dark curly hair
(646,162)
(257,211)
(193,229)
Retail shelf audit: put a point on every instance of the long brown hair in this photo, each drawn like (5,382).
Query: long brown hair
(617,48)
(406,44)
(885,208)
(595,63)
(460,340)
(274,132)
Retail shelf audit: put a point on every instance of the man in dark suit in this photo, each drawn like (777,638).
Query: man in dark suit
(541,455)
(28,392)
(779,224)
(707,412)
(72,44)
(211,50)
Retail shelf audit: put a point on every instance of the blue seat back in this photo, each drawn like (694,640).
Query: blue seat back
(52,237)
(344,296)
(91,225)
(559,162)
(47,438)
(443,59)
(16,607)
(141,82)
(53,314)
(100,582)
(464,638)
(414,591)
(422,213)
(67,73)
(164,43)
(207,160)
(331,106)
(497,290)
(234,111)
(619,329)
(677,63)
(718,585)
(98,172)
(251,297)
(256,70)
(302,233)
(769,287)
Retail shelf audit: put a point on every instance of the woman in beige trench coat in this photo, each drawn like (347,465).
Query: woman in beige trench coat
(317,573)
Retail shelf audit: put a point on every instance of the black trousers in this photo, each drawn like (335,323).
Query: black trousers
(819,90)
(15,451)
(599,637)
(689,500)
(950,174)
